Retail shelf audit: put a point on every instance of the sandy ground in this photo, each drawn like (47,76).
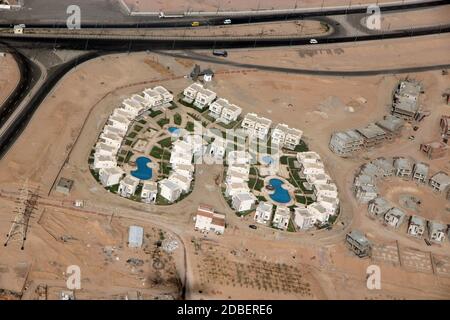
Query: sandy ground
(98,245)
(234,5)
(430,50)
(425,17)
(417,18)
(74,113)
(9,77)
(286,29)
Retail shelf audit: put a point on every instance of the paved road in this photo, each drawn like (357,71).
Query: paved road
(108,12)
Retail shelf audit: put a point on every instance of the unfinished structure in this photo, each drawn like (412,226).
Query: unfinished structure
(358,243)
(405,104)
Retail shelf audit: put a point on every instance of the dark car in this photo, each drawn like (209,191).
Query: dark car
(221,53)
(252,226)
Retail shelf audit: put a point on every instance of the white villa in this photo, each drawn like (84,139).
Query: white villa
(119,122)
(243,201)
(142,100)
(204,98)
(149,192)
(318,212)
(263,212)
(223,111)
(207,220)
(325,190)
(186,170)
(169,190)
(110,129)
(127,186)
(131,107)
(236,176)
(256,126)
(303,218)
(110,176)
(234,188)
(167,97)
(184,182)
(102,149)
(190,93)
(286,137)
(122,112)
(217,148)
(104,161)
(154,98)
(111,139)
(238,157)
(197,143)
(281,217)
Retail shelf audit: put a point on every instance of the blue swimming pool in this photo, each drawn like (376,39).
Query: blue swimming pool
(280,195)
(174,130)
(143,172)
(267,159)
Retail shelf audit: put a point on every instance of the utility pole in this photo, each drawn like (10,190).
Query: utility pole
(25,205)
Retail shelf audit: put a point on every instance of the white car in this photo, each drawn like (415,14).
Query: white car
(227,21)
(313,41)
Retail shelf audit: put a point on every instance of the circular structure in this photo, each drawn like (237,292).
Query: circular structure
(280,194)
(143,172)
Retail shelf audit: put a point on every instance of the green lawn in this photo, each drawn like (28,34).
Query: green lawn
(128,156)
(113,188)
(128,142)
(132,135)
(301,147)
(95,174)
(259,185)
(164,168)
(156,113)
(190,126)
(156,152)
(173,106)
(177,119)
(163,121)
(166,143)
(142,121)
(284,160)
(291,227)
(138,128)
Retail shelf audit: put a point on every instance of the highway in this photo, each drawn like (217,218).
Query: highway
(96,14)
(37,82)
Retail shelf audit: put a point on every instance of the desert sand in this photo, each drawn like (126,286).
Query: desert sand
(308,265)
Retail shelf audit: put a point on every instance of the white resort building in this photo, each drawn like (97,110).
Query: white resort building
(263,212)
(128,186)
(208,220)
(110,176)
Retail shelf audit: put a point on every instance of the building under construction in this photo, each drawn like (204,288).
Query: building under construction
(358,243)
